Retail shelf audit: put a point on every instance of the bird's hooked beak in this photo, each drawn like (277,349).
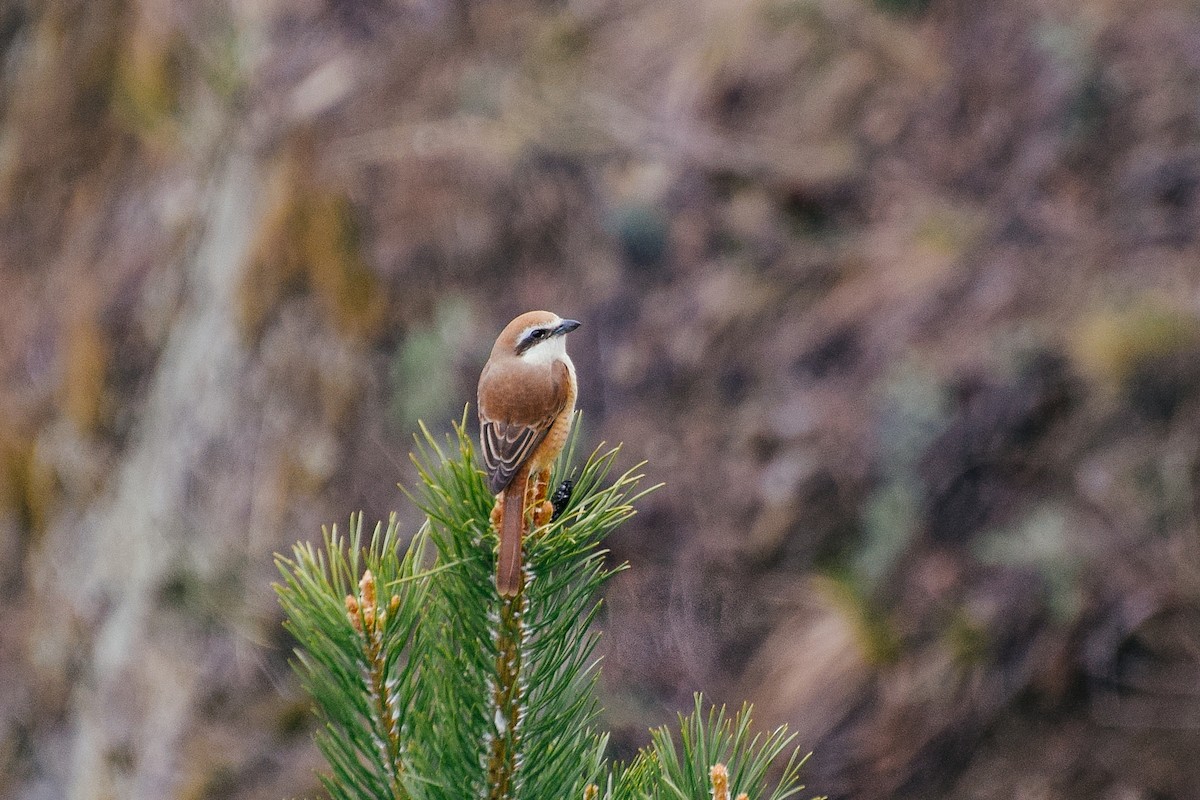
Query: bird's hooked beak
(566,326)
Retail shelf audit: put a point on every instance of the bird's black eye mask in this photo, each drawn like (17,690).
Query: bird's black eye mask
(533,337)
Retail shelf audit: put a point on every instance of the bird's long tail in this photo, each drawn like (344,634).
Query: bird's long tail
(512,531)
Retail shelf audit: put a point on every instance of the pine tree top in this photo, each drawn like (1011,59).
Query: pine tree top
(429,685)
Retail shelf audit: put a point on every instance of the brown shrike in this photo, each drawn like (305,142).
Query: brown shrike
(526,402)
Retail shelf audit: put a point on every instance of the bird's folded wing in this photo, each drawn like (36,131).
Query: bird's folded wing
(508,445)
(508,440)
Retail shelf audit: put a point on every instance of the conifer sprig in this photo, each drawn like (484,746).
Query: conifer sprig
(519,698)
(352,607)
(720,754)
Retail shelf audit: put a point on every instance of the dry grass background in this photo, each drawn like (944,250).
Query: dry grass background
(901,299)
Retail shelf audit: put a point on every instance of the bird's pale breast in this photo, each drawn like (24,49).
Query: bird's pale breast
(552,445)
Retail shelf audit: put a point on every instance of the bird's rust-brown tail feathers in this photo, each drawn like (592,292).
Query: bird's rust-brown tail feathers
(512,531)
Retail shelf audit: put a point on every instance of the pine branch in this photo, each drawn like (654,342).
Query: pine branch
(520,698)
(350,648)
(508,697)
(370,622)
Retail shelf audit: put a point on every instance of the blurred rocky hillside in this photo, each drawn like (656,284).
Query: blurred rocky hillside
(901,299)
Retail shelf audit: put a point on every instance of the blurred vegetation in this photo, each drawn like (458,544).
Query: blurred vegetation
(421,386)
(308,242)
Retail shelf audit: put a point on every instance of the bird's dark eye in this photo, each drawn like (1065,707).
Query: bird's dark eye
(533,337)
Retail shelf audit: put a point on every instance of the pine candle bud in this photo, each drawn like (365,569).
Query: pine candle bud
(366,589)
(720,782)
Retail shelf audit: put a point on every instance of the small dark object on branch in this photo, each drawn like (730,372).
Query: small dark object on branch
(562,496)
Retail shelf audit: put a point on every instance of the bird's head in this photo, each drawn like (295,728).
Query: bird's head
(536,336)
